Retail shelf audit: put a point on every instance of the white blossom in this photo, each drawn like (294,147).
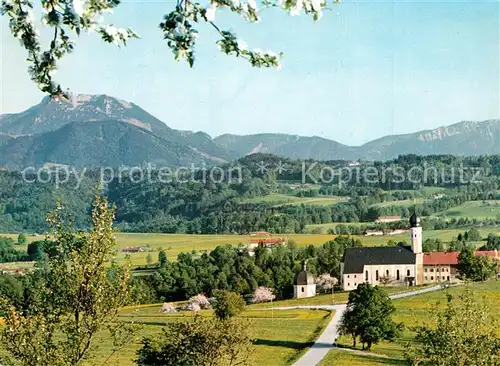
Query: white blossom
(296,10)
(242,45)
(210,14)
(111,31)
(271,54)
(263,294)
(316,5)
(252,4)
(236,3)
(78,6)
(257,51)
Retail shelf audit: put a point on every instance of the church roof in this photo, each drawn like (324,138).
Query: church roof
(304,278)
(355,258)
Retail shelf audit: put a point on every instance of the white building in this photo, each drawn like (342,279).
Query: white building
(305,286)
(394,266)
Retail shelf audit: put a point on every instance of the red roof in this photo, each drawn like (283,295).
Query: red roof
(267,240)
(450,258)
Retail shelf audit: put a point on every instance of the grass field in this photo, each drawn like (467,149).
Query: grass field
(411,311)
(283,199)
(403,203)
(174,244)
(473,210)
(325,299)
(280,337)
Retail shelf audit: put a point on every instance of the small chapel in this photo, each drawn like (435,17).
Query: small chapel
(305,284)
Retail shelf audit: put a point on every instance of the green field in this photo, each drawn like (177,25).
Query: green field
(280,337)
(174,244)
(402,203)
(473,210)
(283,199)
(411,311)
(326,299)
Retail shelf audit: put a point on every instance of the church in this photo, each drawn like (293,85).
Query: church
(400,265)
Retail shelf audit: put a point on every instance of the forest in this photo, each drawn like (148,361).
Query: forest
(223,205)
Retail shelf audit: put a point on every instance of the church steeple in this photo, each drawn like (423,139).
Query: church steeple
(415,234)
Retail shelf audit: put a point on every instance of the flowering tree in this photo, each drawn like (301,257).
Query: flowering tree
(326,282)
(67,18)
(168,308)
(263,294)
(198,302)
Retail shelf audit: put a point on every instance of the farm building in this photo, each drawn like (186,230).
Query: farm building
(388,219)
(133,250)
(439,266)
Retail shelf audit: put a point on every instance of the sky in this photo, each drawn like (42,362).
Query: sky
(367,69)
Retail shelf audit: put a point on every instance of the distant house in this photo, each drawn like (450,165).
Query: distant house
(260,233)
(352,163)
(382,232)
(266,242)
(133,250)
(388,219)
(373,232)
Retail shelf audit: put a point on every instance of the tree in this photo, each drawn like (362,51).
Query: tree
(203,341)
(473,235)
(474,267)
(64,19)
(448,340)
(263,294)
(368,316)
(492,242)
(71,300)
(162,259)
(199,301)
(386,280)
(325,282)
(21,239)
(227,304)
(149,260)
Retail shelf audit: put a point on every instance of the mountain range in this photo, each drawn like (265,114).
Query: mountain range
(99,130)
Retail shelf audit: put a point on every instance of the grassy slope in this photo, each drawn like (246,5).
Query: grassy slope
(283,199)
(279,337)
(473,209)
(411,311)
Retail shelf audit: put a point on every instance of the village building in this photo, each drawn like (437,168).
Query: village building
(400,265)
(382,219)
(132,250)
(443,266)
(265,242)
(305,284)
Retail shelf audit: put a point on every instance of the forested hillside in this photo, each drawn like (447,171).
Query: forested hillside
(216,202)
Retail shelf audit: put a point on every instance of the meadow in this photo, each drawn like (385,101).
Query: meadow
(174,244)
(473,210)
(277,199)
(411,311)
(279,337)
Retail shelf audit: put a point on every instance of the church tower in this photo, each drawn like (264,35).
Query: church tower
(415,234)
(416,247)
